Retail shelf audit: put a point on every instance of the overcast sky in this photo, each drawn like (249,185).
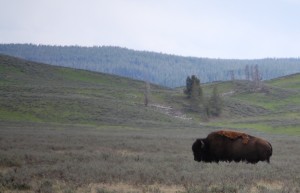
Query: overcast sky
(213,28)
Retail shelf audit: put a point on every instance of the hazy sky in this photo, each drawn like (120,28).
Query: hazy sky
(212,28)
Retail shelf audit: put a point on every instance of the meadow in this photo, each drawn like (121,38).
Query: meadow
(38,157)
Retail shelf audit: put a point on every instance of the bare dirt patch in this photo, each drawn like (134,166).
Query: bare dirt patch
(168,110)
(269,185)
(4,170)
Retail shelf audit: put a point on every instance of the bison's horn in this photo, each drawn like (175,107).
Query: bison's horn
(202,144)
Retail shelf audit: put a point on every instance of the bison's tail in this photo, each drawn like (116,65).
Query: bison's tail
(270,152)
(271,149)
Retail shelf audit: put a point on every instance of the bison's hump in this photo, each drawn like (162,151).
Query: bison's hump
(234,135)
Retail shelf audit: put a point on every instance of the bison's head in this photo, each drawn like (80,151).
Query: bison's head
(199,149)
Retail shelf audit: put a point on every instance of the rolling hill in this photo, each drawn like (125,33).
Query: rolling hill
(34,92)
(274,108)
(163,69)
(41,93)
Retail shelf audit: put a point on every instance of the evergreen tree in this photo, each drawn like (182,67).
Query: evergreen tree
(193,89)
(257,77)
(247,72)
(189,85)
(194,93)
(215,103)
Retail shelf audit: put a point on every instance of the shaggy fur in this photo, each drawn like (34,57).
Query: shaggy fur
(234,135)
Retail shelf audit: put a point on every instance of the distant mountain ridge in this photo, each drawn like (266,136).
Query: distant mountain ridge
(163,69)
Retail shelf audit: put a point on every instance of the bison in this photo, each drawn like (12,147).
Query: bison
(230,146)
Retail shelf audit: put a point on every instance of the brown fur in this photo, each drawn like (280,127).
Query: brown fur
(231,146)
(234,135)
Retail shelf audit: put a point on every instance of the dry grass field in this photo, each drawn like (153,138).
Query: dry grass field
(64,158)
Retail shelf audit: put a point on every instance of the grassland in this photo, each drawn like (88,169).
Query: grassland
(66,158)
(65,130)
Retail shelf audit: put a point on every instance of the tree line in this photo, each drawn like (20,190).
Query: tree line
(163,69)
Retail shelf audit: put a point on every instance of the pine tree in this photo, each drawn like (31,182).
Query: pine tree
(193,89)
(215,104)
(194,93)
(232,75)
(247,72)
(189,85)
(257,77)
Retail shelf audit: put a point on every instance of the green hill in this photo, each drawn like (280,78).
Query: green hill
(35,92)
(287,82)
(158,68)
(274,107)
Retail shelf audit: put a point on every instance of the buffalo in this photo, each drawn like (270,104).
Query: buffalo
(225,145)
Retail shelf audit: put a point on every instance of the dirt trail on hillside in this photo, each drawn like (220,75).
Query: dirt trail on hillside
(168,110)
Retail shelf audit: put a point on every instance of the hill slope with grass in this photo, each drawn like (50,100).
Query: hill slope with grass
(274,107)
(34,92)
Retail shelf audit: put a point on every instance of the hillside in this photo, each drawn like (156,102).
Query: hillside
(274,108)
(34,92)
(158,68)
